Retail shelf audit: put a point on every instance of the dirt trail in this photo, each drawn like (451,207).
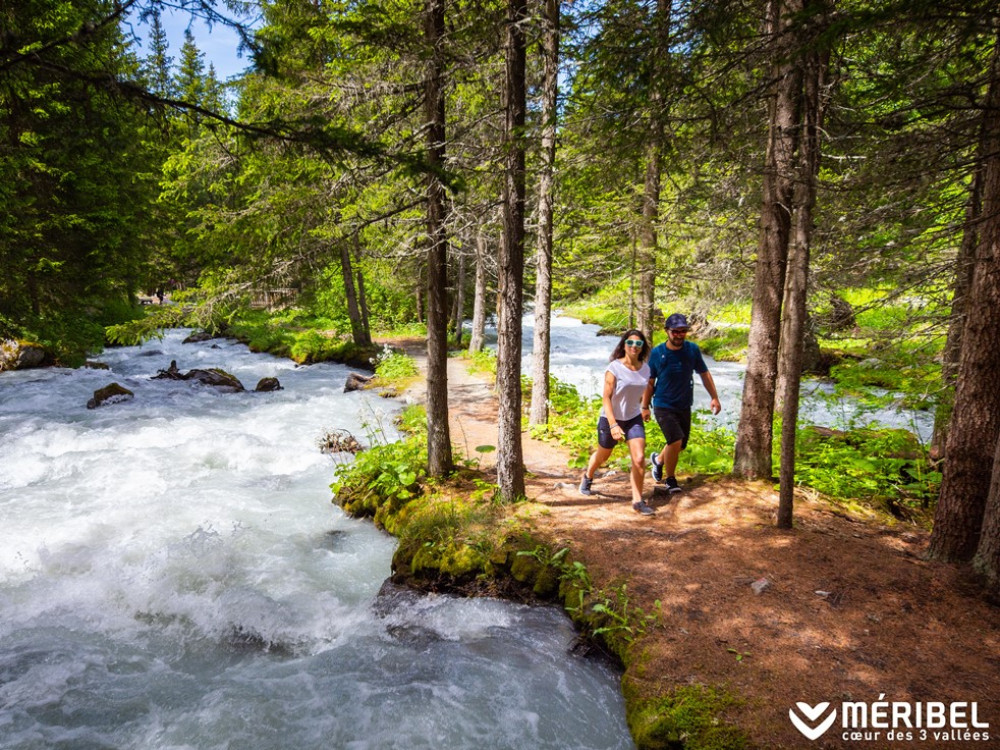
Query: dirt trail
(850,609)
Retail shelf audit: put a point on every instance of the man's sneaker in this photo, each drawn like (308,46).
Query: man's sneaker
(585,484)
(672,484)
(642,508)
(656,468)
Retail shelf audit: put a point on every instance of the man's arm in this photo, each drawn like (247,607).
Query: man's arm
(709,383)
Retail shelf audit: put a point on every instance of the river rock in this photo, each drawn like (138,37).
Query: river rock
(20,355)
(171,373)
(110,394)
(92,365)
(357,382)
(266,385)
(216,378)
(197,337)
(213,376)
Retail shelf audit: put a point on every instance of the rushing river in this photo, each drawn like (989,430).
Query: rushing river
(173,575)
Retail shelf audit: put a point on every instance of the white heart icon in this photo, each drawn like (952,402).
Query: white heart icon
(812,713)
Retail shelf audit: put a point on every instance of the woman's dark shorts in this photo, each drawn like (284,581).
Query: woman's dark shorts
(633,428)
(675,424)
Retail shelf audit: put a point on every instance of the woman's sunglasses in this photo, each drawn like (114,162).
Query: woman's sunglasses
(634,344)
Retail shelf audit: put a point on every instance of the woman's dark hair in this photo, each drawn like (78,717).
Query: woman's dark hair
(619,351)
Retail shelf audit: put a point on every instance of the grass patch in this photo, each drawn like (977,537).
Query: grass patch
(730,345)
(296,335)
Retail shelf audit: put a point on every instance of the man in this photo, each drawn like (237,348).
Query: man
(671,389)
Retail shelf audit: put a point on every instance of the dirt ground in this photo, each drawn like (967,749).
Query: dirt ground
(851,610)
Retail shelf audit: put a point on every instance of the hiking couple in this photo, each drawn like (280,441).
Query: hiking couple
(631,384)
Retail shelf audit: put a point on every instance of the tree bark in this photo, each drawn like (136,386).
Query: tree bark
(964,265)
(510,459)
(648,242)
(793,327)
(539,414)
(754,433)
(353,311)
(975,421)
(478,337)
(458,316)
(439,458)
(987,559)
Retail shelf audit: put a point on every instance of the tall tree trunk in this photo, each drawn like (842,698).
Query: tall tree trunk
(477,339)
(964,265)
(363,304)
(754,434)
(646,251)
(439,458)
(458,316)
(987,559)
(353,311)
(975,421)
(793,324)
(510,459)
(366,331)
(543,283)
(651,183)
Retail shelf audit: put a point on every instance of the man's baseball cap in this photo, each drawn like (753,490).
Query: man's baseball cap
(675,321)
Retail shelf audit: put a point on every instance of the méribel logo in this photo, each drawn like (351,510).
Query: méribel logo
(811,729)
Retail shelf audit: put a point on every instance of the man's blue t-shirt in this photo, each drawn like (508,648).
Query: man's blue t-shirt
(673,370)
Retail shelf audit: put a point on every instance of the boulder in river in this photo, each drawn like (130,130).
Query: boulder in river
(110,394)
(216,378)
(266,385)
(357,382)
(213,376)
(20,355)
(197,337)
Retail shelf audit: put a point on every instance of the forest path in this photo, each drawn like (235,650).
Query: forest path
(849,608)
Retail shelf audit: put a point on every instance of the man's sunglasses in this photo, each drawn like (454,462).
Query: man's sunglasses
(681,331)
(634,344)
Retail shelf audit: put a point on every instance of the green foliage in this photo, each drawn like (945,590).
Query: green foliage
(886,469)
(77,173)
(294,334)
(413,420)
(395,367)
(390,473)
(483,362)
(729,346)
(71,335)
(624,621)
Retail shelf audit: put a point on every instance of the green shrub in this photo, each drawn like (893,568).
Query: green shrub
(388,473)
(392,366)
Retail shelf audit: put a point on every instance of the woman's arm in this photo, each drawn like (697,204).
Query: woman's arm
(609,390)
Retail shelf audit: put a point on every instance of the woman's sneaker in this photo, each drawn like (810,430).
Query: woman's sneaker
(672,485)
(585,485)
(656,468)
(643,509)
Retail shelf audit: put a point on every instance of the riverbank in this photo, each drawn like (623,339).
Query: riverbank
(722,622)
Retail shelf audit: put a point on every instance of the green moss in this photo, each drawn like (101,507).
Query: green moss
(689,717)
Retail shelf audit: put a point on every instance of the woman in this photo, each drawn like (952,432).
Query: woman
(625,380)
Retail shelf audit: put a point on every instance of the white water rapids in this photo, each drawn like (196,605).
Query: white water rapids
(173,575)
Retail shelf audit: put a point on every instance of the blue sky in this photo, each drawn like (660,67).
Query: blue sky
(218,44)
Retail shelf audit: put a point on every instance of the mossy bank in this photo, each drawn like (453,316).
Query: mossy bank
(454,536)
